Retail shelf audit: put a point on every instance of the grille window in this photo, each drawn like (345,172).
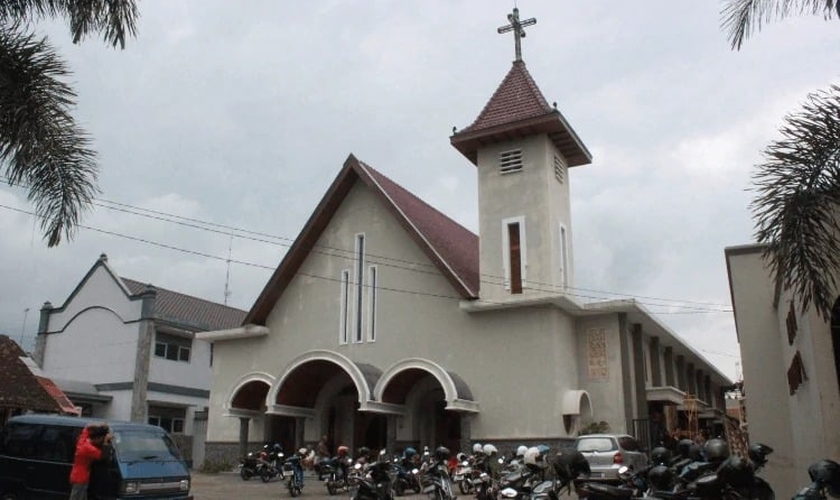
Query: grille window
(559,169)
(510,161)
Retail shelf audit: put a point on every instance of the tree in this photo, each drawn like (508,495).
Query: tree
(42,148)
(798,185)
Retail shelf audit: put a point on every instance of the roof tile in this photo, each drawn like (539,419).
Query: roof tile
(19,387)
(188,310)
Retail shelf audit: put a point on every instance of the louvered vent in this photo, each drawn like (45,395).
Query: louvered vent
(559,169)
(510,161)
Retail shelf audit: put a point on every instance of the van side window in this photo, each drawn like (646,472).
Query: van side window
(58,443)
(21,440)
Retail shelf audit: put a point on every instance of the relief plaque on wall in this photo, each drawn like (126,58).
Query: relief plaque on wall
(596,354)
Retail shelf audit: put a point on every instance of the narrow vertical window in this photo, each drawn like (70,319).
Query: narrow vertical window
(344,308)
(515,258)
(360,268)
(564,258)
(372,292)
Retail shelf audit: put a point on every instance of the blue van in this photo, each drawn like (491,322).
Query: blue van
(36,455)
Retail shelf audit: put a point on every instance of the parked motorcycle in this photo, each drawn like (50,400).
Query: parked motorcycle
(248,466)
(271,467)
(435,479)
(335,478)
(372,481)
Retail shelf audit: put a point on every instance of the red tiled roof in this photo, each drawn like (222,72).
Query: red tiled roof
(58,395)
(452,248)
(517,98)
(188,310)
(19,387)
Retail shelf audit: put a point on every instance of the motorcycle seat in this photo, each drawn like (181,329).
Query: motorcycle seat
(610,491)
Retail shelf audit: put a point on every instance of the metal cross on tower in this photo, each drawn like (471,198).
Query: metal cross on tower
(517,27)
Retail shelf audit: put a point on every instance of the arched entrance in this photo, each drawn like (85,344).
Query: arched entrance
(325,393)
(247,402)
(434,403)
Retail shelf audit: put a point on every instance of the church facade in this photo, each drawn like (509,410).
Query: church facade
(388,324)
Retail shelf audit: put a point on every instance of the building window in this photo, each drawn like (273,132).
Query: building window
(172,347)
(510,161)
(172,425)
(514,254)
(559,169)
(796,373)
(360,268)
(344,314)
(564,258)
(791,323)
(372,293)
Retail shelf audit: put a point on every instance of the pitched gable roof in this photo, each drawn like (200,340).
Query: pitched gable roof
(518,109)
(451,247)
(19,387)
(188,310)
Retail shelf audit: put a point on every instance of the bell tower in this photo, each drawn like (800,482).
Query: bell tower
(523,149)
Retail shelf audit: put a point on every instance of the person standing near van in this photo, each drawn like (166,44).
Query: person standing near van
(93,444)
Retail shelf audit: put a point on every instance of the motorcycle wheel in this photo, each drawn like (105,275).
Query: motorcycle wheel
(244,474)
(465,486)
(295,491)
(331,489)
(265,476)
(417,487)
(399,489)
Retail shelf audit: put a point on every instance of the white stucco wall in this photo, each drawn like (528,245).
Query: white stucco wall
(764,369)
(605,393)
(195,374)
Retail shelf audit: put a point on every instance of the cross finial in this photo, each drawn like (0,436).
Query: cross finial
(517,27)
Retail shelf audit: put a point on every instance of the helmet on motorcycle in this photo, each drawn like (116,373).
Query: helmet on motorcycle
(277,448)
(364,451)
(736,472)
(442,453)
(409,452)
(490,450)
(534,458)
(827,473)
(661,477)
(716,450)
(660,456)
(342,450)
(695,452)
(477,448)
(570,465)
(521,450)
(684,447)
(303,451)
(758,453)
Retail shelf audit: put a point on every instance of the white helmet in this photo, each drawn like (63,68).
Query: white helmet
(477,448)
(534,457)
(303,451)
(489,449)
(521,450)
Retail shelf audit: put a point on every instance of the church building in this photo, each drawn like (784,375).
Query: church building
(388,324)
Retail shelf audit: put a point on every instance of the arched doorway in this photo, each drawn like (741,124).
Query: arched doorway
(247,402)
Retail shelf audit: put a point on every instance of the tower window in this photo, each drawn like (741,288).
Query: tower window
(360,271)
(510,161)
(371,326)
(564,258)
(344,308)
(514,254)
(559,169)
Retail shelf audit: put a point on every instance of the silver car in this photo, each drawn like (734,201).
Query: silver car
(606,453)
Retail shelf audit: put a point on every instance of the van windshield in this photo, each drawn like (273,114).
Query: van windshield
(144,445)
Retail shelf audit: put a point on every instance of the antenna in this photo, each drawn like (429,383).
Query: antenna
(23,328)
(227,273)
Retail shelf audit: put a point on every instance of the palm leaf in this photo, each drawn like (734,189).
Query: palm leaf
(742,18)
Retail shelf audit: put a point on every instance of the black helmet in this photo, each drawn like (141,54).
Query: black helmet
(570,465)
(684,447)
(758,453)
(661,477)
(277,447)
(827,473)
(364,451)
(660,456)
(736,472)
(442,453)
(716,450)
(695,452)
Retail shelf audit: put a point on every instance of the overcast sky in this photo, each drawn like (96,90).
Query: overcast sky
(242,113)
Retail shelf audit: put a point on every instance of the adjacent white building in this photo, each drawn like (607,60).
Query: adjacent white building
(388,324)
(124,350)
(791,366)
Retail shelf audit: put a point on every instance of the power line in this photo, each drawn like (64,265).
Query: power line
(350,255)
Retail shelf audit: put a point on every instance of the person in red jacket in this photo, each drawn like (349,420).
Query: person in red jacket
(93,444)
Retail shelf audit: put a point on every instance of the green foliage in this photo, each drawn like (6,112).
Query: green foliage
(210,466)
(741,18)
(595,428)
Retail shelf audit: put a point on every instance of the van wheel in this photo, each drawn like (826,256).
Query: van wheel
(9,495)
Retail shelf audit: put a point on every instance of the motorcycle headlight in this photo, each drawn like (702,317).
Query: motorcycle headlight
(185,485)
(131,487)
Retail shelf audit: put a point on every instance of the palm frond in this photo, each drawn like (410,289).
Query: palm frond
(797,206)
(41,146)
(742,18)
(115,20)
